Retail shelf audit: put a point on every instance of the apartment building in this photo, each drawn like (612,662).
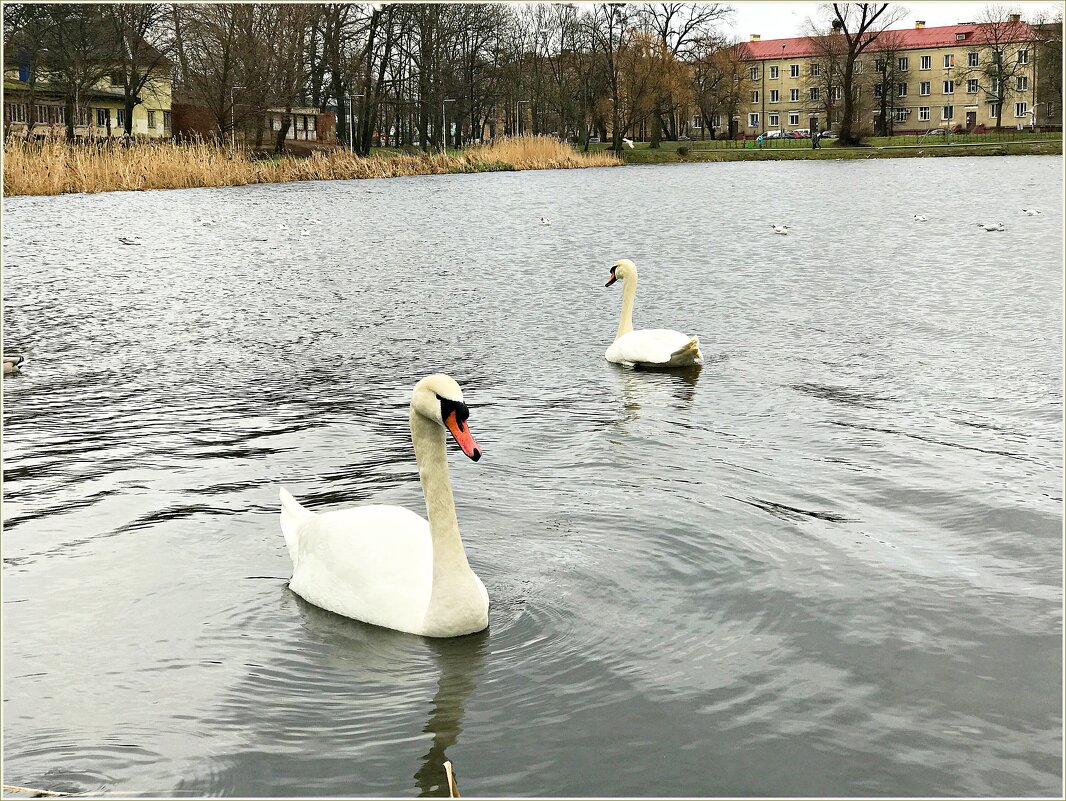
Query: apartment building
(908,81)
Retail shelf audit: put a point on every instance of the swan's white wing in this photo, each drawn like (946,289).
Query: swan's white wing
(648,346)
(373,563)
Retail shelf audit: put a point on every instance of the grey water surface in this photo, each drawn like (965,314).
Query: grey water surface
(830,563)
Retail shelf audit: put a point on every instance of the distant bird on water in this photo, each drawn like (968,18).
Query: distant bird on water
(12,363)
(545,221)
(1031,212)
(305,232)
(129,241)
(283,227)
(780,229)
(920,218)
(992,226)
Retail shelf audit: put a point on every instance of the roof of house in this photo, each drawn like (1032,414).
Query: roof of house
(907,39)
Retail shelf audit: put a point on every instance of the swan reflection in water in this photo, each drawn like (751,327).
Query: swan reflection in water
(645,388)
(398,663)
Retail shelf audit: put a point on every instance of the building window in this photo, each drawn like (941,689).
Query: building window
(793,118)
(837,93)
(1023,56)
(40,113)
(994,88)
(901,114)
(972,59)
(794,95)
(151,120)
(753,120)
(755,96)
(716,120)
(166,120)
(103,117)
(879,65)
(794,70)
(903,64)
(696,122)
(275,122)
(1021,109)
(16,112)
(82,116)
(120,116)
(754,73)
(1050,109)
(927,62)
(923,113)
(960,37)
(774,120)
(1023,83)
(816,70)
(773,72)
(878,89)
(993,110)
(901,90)
(949,87)
(925,88)
(858,67)
(815,93)
(949,60)
(947,113)
(775,96)
(971,86)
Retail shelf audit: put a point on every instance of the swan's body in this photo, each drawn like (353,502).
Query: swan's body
(780,229)
(920,218)
(545,221)
(993,226)
(655,347)
(12,363)
(386,565)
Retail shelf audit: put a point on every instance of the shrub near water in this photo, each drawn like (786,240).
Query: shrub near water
(52,168)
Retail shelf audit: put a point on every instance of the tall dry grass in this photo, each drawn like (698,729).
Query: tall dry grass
(53,168)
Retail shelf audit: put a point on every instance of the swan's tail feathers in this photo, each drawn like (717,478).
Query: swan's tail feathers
(292,517)
(687,354)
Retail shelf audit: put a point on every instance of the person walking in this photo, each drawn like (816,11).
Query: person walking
(814,139)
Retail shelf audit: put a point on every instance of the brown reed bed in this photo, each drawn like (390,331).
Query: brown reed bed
(54,168)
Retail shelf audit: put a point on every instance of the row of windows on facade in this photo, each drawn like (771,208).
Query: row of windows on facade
(973,59)
(56,115)
(924,89)
(901,114)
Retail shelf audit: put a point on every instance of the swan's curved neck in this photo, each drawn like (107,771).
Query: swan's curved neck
(629,295)
(449,556)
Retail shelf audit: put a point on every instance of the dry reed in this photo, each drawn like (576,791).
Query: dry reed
(53,168)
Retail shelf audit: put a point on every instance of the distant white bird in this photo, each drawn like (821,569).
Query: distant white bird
(780,229)
(545,221)
(283,227)
(920,218)
(1031,212)
(206,221)
(992,226)
(305,232)
(130,240)
(628,143)
(313,221)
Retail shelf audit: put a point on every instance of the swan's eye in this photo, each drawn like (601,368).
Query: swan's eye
(448,406)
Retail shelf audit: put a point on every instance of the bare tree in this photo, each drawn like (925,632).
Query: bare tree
(144,42)
(1005,46)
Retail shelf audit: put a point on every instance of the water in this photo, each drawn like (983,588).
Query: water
(828,564)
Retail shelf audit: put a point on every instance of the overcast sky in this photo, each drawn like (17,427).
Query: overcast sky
(773,20)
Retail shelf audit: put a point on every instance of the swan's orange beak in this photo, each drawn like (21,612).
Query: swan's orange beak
(461,431)
(613,279)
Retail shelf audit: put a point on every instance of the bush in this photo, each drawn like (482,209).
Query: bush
(683,151)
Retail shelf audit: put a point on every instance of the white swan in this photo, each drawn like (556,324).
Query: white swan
(992,226)
(545,221)
(628,143)
(920,218)
(652,347)
(384,564)
(780,229)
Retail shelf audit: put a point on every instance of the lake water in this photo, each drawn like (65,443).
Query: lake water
(828,564)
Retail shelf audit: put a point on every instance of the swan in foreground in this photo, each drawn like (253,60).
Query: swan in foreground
(780,229)
(12,363)
(651,347)
(993,226)
(920,218)
(385,565)
(1031,212)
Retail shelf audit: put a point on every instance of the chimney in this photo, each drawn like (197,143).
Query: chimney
(755,37)
(1015,17)
(919,24)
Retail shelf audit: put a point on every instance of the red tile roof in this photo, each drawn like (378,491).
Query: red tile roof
(909,39)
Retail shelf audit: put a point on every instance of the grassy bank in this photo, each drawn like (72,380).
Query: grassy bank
(53,168)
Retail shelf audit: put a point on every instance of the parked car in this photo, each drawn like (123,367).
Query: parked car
(771,135)
(594,140)
(683,138)
(802,133)
(827,135)
(938,132)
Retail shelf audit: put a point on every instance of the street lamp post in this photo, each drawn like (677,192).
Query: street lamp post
(518,118)
(444,124)
(351,123)
(233,115)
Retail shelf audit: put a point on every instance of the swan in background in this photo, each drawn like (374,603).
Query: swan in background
(652,347)
(283,227)
(12,363)
(135,240)
(305,232)
(992,226)
(385,565)
(1031,212)
(780,229)
(920,218)
(545,221)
